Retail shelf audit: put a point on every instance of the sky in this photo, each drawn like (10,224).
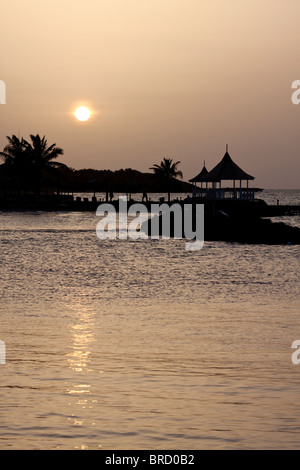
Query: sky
(163,78)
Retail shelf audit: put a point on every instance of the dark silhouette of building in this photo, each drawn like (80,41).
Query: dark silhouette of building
(225,170)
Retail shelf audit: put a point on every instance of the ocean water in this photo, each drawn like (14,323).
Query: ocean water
(123,344)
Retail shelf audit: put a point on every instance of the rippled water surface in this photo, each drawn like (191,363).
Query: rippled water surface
(143,345)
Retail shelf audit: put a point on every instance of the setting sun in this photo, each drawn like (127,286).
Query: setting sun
(82,113)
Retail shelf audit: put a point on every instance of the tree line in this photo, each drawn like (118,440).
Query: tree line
(32,166)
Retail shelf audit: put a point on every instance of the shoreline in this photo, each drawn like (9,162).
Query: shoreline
(62,203)
(242,221)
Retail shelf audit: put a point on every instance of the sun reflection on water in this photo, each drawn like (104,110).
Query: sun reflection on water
(82,338)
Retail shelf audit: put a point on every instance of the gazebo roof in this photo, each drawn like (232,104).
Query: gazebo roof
(226,170)
(200,176)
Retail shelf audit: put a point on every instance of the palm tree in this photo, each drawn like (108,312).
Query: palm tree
(41,159)
(168,170)
(15,159)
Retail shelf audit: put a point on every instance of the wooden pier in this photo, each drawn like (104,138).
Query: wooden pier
(256,207)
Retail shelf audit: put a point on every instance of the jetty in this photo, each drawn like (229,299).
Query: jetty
(226,187)
(231,211)
(231,220)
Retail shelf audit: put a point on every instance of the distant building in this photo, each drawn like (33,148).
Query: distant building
(225,170)
(200,176)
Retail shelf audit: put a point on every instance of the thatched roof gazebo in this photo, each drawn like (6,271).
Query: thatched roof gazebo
(226,169)
(200,176)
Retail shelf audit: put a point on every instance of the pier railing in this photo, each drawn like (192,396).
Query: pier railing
(245,194)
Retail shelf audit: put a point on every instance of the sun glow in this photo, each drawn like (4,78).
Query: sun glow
(82,113)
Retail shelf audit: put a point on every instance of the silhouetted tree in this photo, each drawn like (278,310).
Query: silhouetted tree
(40,158)
(168,170)
(15,160)
(31,163)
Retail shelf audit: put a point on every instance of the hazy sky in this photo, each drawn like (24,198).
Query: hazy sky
(164,78)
